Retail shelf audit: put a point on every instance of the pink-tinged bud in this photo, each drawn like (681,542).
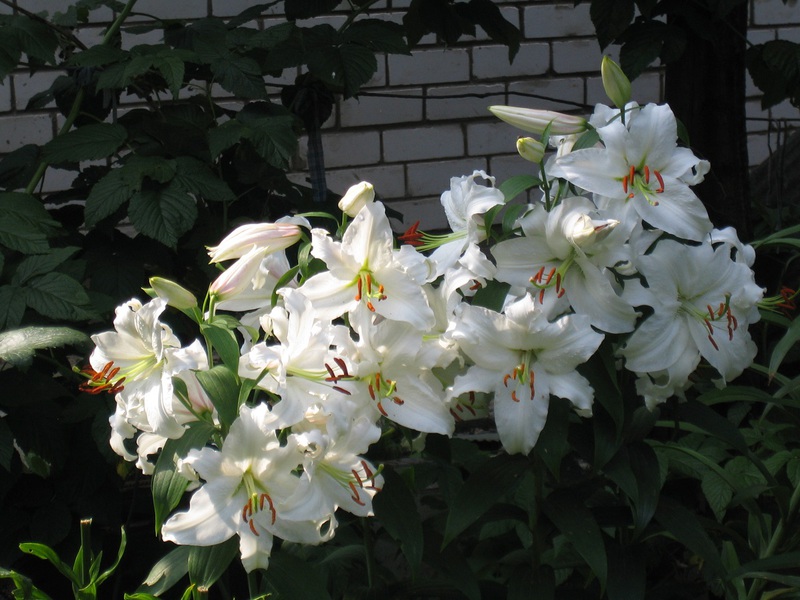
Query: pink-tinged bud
(356,197)
(615,83)
(175,295)
(536,121)
(530,149)
(581,230)
(239,276)
(269,237)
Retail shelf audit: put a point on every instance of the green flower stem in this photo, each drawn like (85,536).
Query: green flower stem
(369,551)
(86,551)
(76,104)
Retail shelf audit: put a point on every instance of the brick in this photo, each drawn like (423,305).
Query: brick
(428,211)
(645,88)
(129,40)
(432,178)
(5,95)
(767,12)
(90,36)
(790,34)
(378,78)
(231,8)
(783,110)
(547,94)
(510,14)
(389,180)
(422,143)
(557,21)
(505,167)
(438,106)
(351,148)
(491,62)
(28,85)
(53,6)
(758,148)
(19,130)
(761,36)
(494,137)
(381,110)
(57,180)
(186,9)
(429,66)
(758,119)
(576,56)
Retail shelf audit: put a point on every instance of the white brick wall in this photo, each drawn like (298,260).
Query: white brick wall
(412,135)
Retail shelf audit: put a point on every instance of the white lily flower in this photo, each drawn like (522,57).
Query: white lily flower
(269,237)
(703,301)
(137,362)
(536,121)
(364,269)
(523,358)
(642,165)
(247,485)
(565,254)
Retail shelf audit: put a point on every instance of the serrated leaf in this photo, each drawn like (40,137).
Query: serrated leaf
(611,18)
(484,487)
(58,296)
(9,54)
(239,75)
(196,178)
(377,35)
(107,195)
(172,70)
(397,511)
(224,136)
(642,45)
(17,167)
(717,492)
(12,306)
(163,214)
(272,136)
(168,484)
(90,142)
(208,563)
(490,18)
(345,66)
(574,520)
(42,263)
(36,39)
(26,224)
(19,345)
(97,56)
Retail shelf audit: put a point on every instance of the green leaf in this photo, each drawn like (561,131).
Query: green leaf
(123,542)
(26,224)
(18,166)
(687,529)
(168,571)
(90,142)
(484,487)
(172,70)
(514,186)
(12,306)
(107,195)
(271,133)
(226,135)
(377,35)
(626,572)
(48,554)
(239,75)
(397,511)
(570,515)
(292,577)
(58,296)
(552,445)
(24,585)
(167,484)
(163,214)
(492,295)
(208,563)
(224,342)
(717,492)
(18,346)
(36,39)
(222,386)
(642,44)
(611,18)
(344,66)
(488,15)
(196,178)
(784,345)
(97,56)
(42,263)
(10,53)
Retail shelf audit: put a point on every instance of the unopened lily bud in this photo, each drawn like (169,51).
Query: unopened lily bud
(175,295)
(615,83)
(269,237)
(530,149)
(581,230)
(536,121)
(356,197)
(238,277)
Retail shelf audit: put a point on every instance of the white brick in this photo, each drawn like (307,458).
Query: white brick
(491,62)
(19,130)
(783,110)
(57,180)
(351,148)
(389,180)
(429,66)
(758,118)
(645,88)
(381,110)
(433,178)
(5,95)
(767,12)
(576,56)
(761,36)
(186,9)
(438,106)
(421,143)
(547,93)
(557,21)
(129,40)
(758,148)
(428,211)
(790,34)
(378,78)
(26,86)
(90,36)
(231,8)
(494,137)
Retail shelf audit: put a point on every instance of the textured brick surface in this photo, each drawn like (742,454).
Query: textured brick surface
(429,66)
(389,181)
(432,178)
(421,143)
(493,137)
(560,20)
(547,93)
(441,104)
(28,85)
(19,130)
(491,62)
(380,110)
(576,56)
(770,12)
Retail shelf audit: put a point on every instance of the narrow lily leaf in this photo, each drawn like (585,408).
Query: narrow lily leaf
(208,563)
(790,560)
(23,584)
(222,386)
(397,511)
(514,186)
(569,514)
(292,577)
(168,484)
(19,346)
(224,342)
(784,345)
(682,523)
(492,295)
(484,487)
(123,542)
(47,553)
(167,572)
(626,572)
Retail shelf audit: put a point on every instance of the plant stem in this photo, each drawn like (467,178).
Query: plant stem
(369,551)
(78,101)
(86,551)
